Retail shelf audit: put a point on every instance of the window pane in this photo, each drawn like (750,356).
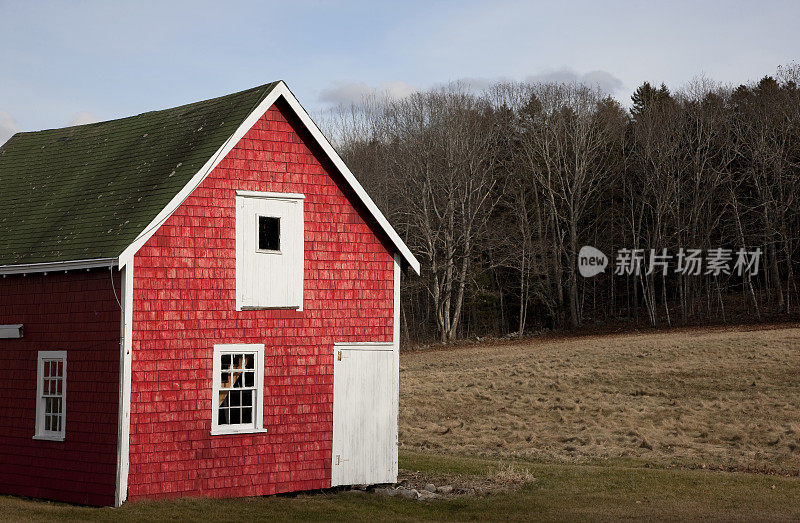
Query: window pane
(236,398)
(249,361)
(249,379)
(236,417)
(46,369)
(269,233)
(48,405)
(57,406)
(60,370)
(223,418)
(47,422)
(224,400)
(247,398)
(58,424)
(225,380)
(59,386)
(226,361)
(237,380)
(247,415)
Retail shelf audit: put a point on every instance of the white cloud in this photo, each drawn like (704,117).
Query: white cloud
(83,118)
(8,127)
(605,81)
(347,93)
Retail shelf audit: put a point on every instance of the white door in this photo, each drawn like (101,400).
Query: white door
(269,250)
(365,403)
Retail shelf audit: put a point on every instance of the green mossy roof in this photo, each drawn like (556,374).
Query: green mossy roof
(88,191)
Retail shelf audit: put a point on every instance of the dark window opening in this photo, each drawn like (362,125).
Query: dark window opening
(269,233)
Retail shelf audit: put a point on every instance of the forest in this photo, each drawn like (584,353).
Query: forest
(496,191)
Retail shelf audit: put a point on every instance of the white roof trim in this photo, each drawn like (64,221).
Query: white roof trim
(280,90)
(30,268)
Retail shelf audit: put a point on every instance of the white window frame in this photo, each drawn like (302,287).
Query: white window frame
(258,398)
(41,433)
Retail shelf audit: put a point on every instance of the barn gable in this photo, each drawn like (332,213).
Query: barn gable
(183,311)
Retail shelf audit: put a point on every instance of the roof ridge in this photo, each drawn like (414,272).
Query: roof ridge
(266,87)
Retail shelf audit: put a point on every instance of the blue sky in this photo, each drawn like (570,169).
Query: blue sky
(82,61)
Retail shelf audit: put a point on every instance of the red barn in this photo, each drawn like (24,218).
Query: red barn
(199,301)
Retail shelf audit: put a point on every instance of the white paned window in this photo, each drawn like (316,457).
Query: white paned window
(238,391)
(51,393)
(269,250)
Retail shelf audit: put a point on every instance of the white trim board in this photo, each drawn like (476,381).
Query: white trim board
(125,361)
(398,269)
(272,195)
(364,346)
(31,268)
(363,343)
(279,91)
(11,332)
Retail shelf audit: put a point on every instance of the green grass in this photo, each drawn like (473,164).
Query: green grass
(559,492)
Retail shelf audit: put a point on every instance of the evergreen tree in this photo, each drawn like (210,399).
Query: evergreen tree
(647,95)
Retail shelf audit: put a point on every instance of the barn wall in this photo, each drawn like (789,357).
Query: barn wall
(76,312)
(184,303)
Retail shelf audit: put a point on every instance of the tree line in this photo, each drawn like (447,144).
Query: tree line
(496,192)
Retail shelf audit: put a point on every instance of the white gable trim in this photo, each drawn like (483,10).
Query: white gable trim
(279,91)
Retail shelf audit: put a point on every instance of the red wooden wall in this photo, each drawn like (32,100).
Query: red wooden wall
(184,303)
(76,312)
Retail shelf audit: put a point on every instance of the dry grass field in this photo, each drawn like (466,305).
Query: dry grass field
(701,398)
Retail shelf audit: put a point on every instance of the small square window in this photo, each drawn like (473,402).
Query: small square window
(269,233)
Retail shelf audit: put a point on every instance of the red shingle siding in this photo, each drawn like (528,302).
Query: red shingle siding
(184,304)
(76,312)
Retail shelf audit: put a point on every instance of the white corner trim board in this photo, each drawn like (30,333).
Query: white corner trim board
(10,332)
(398,269)
(279,91)
(125,361)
